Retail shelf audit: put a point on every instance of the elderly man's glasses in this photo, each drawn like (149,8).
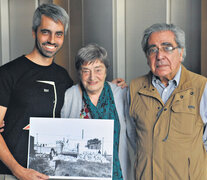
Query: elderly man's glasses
(154,50)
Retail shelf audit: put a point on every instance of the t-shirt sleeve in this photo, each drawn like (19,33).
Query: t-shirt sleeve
(5,87)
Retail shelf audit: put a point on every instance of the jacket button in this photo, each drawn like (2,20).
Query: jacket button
(145,86)
(181,96)
(165,109)
(191,93)
(158,108)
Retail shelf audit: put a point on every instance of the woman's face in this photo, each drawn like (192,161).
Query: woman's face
(93,75)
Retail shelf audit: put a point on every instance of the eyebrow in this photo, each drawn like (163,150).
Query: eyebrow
(162,44)
(44,30)
(100,66)
(51,31)
(59,32)
(84,68)
(166,44)
(152,45)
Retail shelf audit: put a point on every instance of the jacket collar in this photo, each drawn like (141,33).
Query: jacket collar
(149,90)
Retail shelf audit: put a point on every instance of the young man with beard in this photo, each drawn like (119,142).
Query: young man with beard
(32,86)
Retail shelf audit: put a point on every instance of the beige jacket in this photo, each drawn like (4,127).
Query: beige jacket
(169,136)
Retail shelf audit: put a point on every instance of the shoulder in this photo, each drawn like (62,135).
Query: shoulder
(140,79)
(72,91)
(193,75)
(116,89)
(195,80)
(72,103)
(60,69)
(13,68)
(14,63)
(119,94)
(138,82)
(189,75)
(72,97)
(62,73)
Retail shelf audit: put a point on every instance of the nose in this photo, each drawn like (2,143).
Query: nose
(51,39)
(160,54)
(92,75)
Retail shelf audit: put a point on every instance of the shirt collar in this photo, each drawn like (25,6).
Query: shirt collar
(176,79)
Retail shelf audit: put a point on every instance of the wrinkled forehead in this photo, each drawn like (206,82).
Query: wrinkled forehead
(161,37)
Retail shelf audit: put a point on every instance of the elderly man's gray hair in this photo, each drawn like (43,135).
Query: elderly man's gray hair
(178,32)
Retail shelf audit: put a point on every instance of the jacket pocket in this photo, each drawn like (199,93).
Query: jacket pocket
(183,113)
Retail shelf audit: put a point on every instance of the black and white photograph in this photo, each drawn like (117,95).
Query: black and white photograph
(71,148)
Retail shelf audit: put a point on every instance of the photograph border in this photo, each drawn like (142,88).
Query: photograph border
(80,140)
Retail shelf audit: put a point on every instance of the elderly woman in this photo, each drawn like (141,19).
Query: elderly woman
(95,98)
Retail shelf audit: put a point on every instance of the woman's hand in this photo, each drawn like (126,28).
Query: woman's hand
(120,82)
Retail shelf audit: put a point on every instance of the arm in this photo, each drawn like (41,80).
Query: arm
(120,82)
(130,125)
(2,126)
(7,158)
(2,114)
(131,137)
(203,112)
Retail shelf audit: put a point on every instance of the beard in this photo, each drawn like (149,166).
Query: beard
(45,53)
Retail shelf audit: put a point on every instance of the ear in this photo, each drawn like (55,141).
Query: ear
(181,54)
(33,34)
(106,70)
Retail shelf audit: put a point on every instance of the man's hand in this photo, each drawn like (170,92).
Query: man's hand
(2,114)
(29,174)
(1,126)
(120,82)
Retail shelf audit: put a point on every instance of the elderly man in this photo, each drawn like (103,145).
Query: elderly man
(169,110)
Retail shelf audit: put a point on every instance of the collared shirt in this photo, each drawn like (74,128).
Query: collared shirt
(165,93)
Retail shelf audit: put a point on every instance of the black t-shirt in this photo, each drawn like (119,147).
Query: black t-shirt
(29,90)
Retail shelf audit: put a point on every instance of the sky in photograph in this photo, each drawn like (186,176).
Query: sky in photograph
(49,130)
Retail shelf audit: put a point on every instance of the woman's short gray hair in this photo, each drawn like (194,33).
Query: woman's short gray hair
(90,53)
(178,32)
(52,11)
